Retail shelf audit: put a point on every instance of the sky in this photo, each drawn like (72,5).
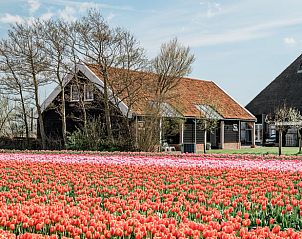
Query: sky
(242,45)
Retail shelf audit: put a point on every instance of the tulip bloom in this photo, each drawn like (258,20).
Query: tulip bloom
(149,196)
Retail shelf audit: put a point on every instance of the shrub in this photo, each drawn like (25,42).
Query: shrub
(92,137)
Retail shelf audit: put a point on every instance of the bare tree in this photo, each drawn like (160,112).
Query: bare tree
(12,82)
(129,75)
(283,118)
(109,48)
(33,63)
(157,124)
(41,52)
(96,41)
(148,130)
(70,32)
(173,62)
(5,114)
(56,49)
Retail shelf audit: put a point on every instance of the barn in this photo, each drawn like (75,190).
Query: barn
(286,89)
(195,99)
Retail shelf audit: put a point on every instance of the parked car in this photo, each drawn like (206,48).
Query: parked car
(271,141)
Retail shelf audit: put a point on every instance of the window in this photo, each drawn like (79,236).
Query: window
(74,93)
(299,69)
(258,133)
(208,112)
(140,125)
(88,92)
(166,109)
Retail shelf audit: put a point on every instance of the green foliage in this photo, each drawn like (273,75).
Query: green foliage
(86,137)
(172,126)
(77,140)
(92,136)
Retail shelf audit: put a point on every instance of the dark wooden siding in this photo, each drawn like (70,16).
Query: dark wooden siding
(74,114)
(286,88)
(199,135)
(231,135)
(189,133)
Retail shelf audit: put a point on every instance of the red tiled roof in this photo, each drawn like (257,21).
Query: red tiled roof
(190,92)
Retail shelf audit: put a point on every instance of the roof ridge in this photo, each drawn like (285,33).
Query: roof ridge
(146,72)
(280,74)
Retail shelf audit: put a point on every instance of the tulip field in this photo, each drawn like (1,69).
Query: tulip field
(155,196)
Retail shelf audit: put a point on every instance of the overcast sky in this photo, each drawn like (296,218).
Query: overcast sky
(242,45)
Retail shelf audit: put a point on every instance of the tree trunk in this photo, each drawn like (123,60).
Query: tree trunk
(83,107)
(299,140)
(41,125)
(106,107)
(24,118)
(280,142)
(160,133)
(19,88)
(130,134)
(38,107)
(136,133)
(205,141)
(84,117)
(63,113)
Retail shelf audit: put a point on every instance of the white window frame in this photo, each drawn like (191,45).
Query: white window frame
(91,92)
(72,91)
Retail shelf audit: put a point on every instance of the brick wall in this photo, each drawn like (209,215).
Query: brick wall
(231,146)
(199,147)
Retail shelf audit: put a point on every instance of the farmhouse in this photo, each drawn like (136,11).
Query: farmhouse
(193,100)
(284,89)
